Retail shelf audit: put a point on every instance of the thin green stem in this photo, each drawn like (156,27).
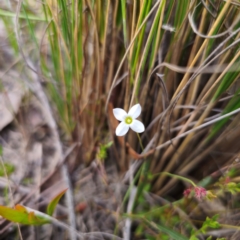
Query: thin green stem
(140,141)
(179,177)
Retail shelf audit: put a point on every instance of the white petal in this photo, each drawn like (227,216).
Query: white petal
(137,126)
(135,111)
(119,114)
(122,129)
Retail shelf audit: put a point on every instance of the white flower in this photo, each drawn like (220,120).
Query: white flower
(128,120)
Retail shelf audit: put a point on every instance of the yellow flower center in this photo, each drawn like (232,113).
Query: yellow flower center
(128,120)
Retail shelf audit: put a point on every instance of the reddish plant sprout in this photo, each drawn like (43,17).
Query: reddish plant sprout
(227,180)
(200,192)
(187,192)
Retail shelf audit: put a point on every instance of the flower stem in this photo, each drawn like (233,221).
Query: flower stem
(179,177)
(140,141)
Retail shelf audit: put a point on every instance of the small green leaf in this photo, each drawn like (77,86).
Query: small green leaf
(13,215)
(22,216)
(52,205)
(193,238)
(233,187)
(8,168)
(210,223)
(102,154)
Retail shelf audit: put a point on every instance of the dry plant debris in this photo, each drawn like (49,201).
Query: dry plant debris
(66,65)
